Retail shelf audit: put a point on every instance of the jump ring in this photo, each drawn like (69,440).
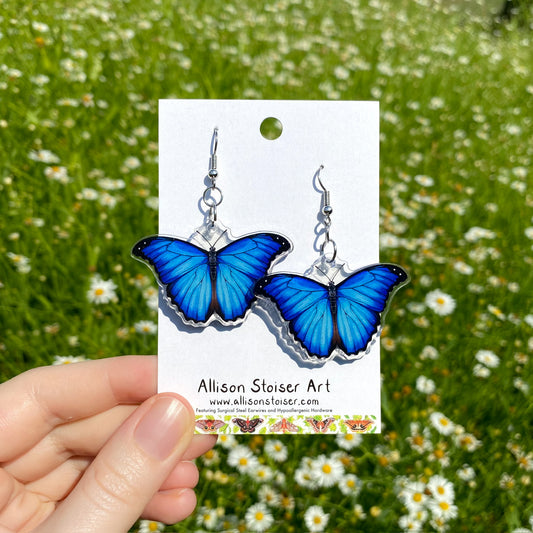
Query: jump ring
(209,198)
(333,251)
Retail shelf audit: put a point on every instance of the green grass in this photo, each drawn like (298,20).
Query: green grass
(456,104)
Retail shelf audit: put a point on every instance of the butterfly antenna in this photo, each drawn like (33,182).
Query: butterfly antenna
(339,268)
(203,237)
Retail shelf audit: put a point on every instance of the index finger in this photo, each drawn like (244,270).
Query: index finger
(36,401)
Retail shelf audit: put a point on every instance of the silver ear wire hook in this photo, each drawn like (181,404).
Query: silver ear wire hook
(212,196)
(326,210)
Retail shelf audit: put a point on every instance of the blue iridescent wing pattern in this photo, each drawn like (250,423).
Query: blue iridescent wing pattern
(304,304)
(239,265)
(182,268)
(324,318)
(210,284)
(361,300)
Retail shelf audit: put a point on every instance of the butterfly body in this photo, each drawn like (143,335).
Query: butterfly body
(323,318)
(203,285)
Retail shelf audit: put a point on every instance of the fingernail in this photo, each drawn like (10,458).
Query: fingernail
(161,428)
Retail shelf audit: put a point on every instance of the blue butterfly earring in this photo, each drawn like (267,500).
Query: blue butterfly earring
(211,276)
(322,319)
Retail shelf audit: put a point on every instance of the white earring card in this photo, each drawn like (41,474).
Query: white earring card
(257,376)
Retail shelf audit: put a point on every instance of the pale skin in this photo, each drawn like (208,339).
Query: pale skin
(89,447)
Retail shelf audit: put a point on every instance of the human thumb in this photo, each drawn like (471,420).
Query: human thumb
(128,471)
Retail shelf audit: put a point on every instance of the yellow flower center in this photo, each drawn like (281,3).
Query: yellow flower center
(440,301)
(440,490)
(99,292)
(417,497)
(443,422)
(444,506)
(152,526)
(259,516)
(243,461)
(326,469)
(317,520)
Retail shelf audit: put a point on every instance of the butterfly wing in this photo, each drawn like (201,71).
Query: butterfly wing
(304,304)
(182,268)
(361,299)
(239,265)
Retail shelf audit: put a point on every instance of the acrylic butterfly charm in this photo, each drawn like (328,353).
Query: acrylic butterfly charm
(247,425)
(327,318)
(203,283)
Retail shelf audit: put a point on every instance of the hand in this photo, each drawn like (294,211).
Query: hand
(89,447)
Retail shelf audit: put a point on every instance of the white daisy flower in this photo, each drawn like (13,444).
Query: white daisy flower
(481,371)
(107,200)
(110,184)
(268,495)
(67,359)
(327,471)
(258,517)
(443,509)
(207,517)
(304,476)
(227,441)
(20,262)
(132,162)
(262,473)
(468,442)
(87,193)
(488,358)
(521,385)
(350,485)
(441,488)
(442,423)
(414,496)
(429,352)
(276,450)
(425,385)
(243,459)
(43,156)
(316,519)
(150,526)
(425,181)
(466,473)
(348,441)
(463,268)
(145,327)
(476,233)
(440,303)
(410,523)
(101,291)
